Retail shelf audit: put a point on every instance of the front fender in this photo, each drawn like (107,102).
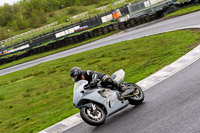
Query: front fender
(94,97)
(91,96)
(89,105)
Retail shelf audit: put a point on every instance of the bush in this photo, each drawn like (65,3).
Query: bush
(72,10)
(102,3)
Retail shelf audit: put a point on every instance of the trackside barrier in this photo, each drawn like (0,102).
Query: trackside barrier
(63,31)
(100,31)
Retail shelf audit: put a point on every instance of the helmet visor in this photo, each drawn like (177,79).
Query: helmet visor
(74,78)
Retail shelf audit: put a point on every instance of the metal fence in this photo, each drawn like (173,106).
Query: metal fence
(145,7)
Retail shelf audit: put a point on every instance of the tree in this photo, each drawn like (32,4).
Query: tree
(77,3)
(4,34)
(42,16)
(35,21)
(13,24)
(33,13)
(6,14)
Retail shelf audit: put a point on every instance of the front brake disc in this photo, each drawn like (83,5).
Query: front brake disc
(136,92)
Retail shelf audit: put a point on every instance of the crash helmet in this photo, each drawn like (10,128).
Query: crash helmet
(75,74)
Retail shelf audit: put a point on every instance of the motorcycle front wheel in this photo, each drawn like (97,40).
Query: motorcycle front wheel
(138,95)
(94,117)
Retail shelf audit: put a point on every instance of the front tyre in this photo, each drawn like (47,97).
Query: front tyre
(137,96)
(94,116)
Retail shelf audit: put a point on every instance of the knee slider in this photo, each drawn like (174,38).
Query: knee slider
(106,79)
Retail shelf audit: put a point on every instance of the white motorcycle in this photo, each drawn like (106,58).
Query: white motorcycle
(96,104)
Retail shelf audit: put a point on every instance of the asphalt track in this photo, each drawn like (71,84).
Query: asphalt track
(171,106)
(160,27)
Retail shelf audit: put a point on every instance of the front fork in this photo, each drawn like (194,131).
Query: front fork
(90,105)
(93,106)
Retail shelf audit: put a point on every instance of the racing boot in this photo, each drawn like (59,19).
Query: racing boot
(119,96)
(124,91)
(121,88)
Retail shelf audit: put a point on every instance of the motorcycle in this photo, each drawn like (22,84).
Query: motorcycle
(96,104)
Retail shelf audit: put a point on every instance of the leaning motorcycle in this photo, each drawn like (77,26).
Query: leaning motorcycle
(96,104)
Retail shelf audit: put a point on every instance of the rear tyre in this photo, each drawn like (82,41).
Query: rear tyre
(93,117)
(138,95)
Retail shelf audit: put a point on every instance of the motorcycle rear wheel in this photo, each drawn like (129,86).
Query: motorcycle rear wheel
(93,117)
(138,95)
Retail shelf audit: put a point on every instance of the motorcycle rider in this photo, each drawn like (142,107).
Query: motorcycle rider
(92,77)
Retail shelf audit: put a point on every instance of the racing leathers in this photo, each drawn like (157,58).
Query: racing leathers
(92,77)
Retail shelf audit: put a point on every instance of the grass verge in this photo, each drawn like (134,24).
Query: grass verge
(35,98)
(183,11)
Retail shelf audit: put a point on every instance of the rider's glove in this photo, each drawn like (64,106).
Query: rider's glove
(87,86)
(92,84)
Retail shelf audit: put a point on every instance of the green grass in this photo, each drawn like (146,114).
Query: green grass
(33,57)
(37,97)
(183,11)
